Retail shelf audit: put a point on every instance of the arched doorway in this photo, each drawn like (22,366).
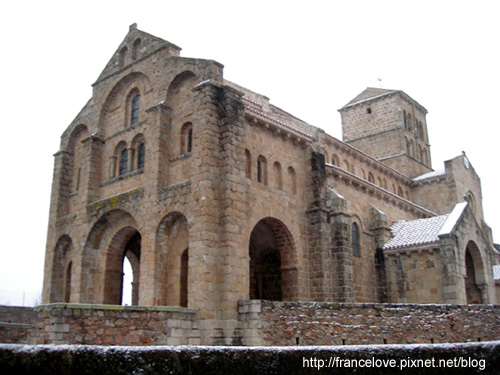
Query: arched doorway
(273,271)
(474,274)
(126,243)
(132,256)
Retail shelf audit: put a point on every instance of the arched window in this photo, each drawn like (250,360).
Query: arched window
(248,166)
(371,178)
(123,162)
(141,157)
(262,170)
(122,56)
(355,240)
(278,179)
(335,160)
(293,180)
(134,112)
(67,283)
(135,49)
(184,278)
(405,120)
(186,138)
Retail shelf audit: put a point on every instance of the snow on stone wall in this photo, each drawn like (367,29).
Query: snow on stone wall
(456,359)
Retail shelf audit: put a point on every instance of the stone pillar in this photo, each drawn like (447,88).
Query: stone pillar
(92,154)
(318,233)
(341,250)
(330,256)
(453,281)
(158,150)
(382,233)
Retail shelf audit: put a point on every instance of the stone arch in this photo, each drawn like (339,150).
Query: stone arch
(335,160)
(133,107)
(136,49)
(180,100)
(122,58)
(371,177)
(105,243)
(60,285)
(126,242)
(273,261)
(74,160)
(172,261)
(111,118)
(471,201)
(186,145)
(138,156)
(474,275)
(120,166)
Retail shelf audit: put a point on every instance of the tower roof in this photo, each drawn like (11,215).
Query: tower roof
(369,93)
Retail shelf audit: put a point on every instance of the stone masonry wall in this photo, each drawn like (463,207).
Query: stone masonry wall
(15,324)
(114,325)
(296,323)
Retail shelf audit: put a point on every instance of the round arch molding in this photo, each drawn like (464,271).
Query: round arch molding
(102,258)
(474,275)
(273,261)
(62,262)
(117,97)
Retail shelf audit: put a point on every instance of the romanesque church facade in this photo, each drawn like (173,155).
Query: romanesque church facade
(215,196)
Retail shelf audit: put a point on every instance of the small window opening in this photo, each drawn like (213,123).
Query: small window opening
(369,110)
(190,140)
(355,240)
(134,113)
(141,159)
(123,162)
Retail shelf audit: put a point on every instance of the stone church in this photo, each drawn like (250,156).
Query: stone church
(217,199)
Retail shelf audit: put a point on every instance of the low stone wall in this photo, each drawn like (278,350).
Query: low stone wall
(16,324)
(456,359)
(296,323)
(114,325)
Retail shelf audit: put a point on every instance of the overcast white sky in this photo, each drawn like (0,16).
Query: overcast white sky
(310,58)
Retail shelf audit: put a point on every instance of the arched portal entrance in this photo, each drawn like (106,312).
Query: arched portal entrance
(474,274)
(132,255)
(126,243)
(273,270)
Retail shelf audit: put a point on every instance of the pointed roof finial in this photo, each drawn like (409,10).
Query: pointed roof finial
(132,27)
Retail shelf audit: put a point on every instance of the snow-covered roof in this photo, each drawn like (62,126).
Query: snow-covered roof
(423,231)
(430,175)
(496,272)
(415,232)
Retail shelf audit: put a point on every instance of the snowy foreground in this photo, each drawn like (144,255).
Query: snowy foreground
(468,358)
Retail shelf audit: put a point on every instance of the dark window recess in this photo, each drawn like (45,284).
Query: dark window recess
(141,160)
(355,240)
(134,113)
(123,162)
